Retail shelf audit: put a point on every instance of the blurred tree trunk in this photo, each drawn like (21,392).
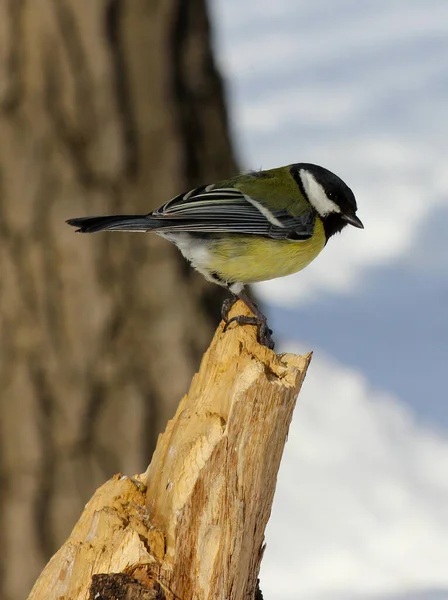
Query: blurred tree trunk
(105,105)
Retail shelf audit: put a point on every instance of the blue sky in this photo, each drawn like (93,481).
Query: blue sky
(360,87)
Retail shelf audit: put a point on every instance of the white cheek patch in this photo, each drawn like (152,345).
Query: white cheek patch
(316,195)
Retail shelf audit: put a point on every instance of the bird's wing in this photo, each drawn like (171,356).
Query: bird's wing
(211,209)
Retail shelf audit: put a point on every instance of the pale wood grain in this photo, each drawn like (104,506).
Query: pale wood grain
(193,525)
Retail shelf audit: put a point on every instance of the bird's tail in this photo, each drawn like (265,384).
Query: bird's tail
(114,223)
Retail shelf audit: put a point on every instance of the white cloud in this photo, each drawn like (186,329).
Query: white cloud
(278,109)
(358,89)
(361,507)
(271,36)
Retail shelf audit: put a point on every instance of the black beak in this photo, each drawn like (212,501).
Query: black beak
(353,220)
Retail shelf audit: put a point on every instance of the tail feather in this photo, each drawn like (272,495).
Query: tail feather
(114,223)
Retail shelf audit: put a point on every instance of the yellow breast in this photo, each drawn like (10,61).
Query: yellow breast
(249,259)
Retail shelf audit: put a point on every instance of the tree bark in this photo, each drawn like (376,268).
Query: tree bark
(192,526)
(105,106)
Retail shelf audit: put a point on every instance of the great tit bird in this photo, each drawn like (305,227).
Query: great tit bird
(257,226)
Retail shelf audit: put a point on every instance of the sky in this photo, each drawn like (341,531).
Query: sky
(360,87)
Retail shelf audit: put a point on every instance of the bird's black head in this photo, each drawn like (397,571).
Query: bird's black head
(330,197)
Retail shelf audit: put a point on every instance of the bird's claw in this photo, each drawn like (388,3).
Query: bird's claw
(263,332)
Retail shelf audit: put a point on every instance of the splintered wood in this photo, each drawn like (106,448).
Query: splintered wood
(192,526)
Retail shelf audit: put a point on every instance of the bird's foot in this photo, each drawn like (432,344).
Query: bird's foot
(263,332)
